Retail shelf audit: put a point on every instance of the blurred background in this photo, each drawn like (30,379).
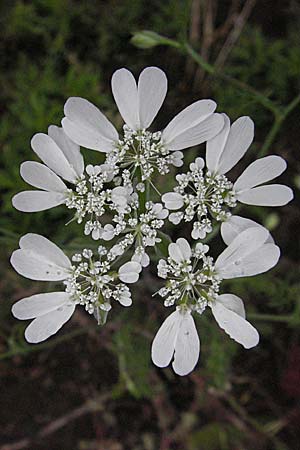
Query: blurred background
(93,388)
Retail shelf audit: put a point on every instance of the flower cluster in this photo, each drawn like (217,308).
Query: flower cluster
(120,206)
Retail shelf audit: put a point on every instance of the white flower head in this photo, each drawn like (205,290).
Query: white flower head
(192,283)
(88,282)
(207,195)
(138,104)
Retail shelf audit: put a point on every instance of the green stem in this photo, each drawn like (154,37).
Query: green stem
(278,121)
(270,138)
(271,317)
(209,68)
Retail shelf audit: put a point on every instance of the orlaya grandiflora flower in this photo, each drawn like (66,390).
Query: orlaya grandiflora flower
(138,104)
(88,282)
(208,194)
(226,149)
(62,161)
(193,281)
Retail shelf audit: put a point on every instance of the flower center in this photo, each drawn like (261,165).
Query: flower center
(141,152)
(192,284)
(205,196)
(91,282)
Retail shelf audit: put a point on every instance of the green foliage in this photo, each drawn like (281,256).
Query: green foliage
(132,351)
(272,66)
(214,436)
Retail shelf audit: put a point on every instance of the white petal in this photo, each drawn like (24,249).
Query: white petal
(199,133)
(215,146)
(125,299)
(175,252)
(163,345)
(259,261)
(129,272)
(175,218)
(45,326)
(40,259)
(236,326)
(48,151)
(184,248)
(259,172)
(233,303)
(33,201)
(239,139)
(87,126)
(69,148)
(40,176)
(152,90)
(39,304)
(192,115)
(187,347)
(269,195)
(231,259)
(125,93)
(235,225)
(172,200)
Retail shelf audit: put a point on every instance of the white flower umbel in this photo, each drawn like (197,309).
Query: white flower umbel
(138,103)
(207,194)
(193,282)
(89,281)
(199,195)
(62,160)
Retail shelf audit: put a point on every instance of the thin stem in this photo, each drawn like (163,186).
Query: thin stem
(209,68)
(271,317)
(278,121)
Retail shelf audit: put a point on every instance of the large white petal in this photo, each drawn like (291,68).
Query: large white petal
(187,347)
(259,172)
(269,195)
(49,152)
(69,148)
(125,93)
(40,259)
(87,126)
(45,326)
(192,115)
(172,200)
(184,248)
(152,90)
(163,344)
(259,261)
(39,304)
(197,134)
(239,139)
(236,326)
(40,176)
(33,201)
(232,302)
(129,272)
(235,225)
(244,244)
(180,251)
(215,146)
(43,246)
